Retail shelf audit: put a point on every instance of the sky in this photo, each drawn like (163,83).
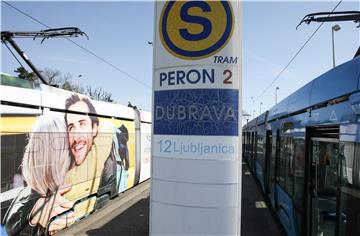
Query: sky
(270,40)
(119,32)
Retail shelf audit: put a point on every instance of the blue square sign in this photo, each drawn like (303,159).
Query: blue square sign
(209,112)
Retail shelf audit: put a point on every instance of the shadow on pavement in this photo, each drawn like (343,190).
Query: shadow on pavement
(256,221)
(133,221)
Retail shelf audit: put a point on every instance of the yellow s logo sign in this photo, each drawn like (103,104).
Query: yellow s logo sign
(195,29)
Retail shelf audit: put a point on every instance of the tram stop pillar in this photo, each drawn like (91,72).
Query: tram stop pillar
(196,151)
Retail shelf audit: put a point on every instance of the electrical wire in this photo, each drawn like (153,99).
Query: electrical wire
(109,63)
(12,53)
(135,79)
(82,47)
(293,58)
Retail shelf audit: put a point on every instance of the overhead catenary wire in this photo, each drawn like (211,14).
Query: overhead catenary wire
(82,47)
(292,59)
(12,53)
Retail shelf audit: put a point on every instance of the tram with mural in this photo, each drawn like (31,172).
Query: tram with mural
(64,155)
(305,154)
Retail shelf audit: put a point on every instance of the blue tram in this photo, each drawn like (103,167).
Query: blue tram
(305,153)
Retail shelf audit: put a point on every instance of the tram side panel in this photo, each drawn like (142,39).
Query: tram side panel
(15,123)
(103,171)
(125,135)
(145,151)
(52,164)
(13,130)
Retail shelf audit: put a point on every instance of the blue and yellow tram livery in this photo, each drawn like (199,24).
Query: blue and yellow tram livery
(305,153)
(64,155)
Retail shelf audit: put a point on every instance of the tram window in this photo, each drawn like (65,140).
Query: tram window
(356,172)
(246,142)
(299,172)
(286,171)
(260,150)
(289,166)
(249,145)
(253,142)
(350,189)
(12,147)
(282,164)
(347,163)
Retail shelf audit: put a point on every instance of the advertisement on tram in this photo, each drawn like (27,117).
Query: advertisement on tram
(59,165)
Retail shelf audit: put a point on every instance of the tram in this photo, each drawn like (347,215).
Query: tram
(305,154)
(47,155)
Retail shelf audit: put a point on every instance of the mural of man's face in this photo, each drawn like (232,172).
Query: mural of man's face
(81,132)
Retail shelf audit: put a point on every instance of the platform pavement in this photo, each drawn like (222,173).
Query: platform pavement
(128,214)
(256,216)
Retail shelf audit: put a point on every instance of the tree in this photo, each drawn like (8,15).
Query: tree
(53,77)
(99,94)
(67,86)
(24,74)
(56,78)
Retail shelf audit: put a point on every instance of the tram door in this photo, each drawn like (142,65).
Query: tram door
(268,151)
(252,154)
(324,177)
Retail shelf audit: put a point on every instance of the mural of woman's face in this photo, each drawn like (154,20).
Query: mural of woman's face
(81,132)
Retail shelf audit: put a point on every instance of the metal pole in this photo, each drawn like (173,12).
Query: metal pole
(333,47)
(26,59)
(333,29)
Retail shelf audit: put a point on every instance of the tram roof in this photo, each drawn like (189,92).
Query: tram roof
(41,95)
(335,83)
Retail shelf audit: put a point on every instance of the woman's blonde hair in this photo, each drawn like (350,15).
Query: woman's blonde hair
(46,159)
